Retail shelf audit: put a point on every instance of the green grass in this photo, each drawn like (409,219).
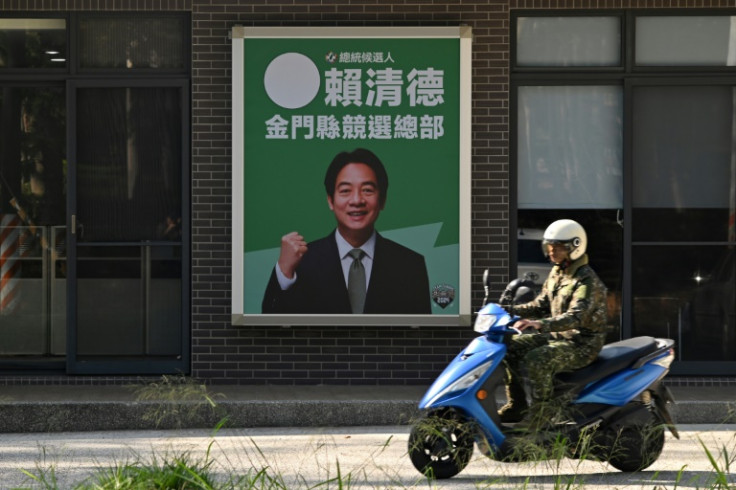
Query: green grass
(175,400)
(187,471)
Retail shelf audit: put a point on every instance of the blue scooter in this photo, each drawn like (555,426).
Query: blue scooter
(613,410)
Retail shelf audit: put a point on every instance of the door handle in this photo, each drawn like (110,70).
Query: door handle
(76,227)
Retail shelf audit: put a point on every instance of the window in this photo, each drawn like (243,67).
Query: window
(569,147)
(33,43)
(94,162)
(684,179)
(682,170)
(640,150)
(568,41)
(133,42)
(686,40)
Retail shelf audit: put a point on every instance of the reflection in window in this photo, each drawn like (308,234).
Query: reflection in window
(569,154)
(605,238)
(683,176)
(129,301)
(33,43)
(129,164)
(133,42)
(687,293)
(32,220)
(568,41)
(570,142)
(686,40)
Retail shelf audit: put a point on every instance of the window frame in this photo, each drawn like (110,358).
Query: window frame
(633,68)
(136,72)
(627,75)
(516,14)
(24,73)
(69,78)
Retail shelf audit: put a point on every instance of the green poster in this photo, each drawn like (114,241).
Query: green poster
(385,114)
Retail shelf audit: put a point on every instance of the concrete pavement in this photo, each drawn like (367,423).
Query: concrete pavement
(32,409)
(365,457)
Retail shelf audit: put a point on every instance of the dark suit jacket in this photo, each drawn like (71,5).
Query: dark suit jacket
(398,282)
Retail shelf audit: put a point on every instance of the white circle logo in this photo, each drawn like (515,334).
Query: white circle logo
(291,80)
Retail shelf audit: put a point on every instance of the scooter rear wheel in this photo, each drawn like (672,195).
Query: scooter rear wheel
(637,446)
(440,445)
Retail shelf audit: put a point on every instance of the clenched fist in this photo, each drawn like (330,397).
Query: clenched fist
(293,248)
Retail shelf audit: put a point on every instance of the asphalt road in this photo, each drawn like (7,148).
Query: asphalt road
(362,457)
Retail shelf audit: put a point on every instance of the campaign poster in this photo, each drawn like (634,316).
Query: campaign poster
(303,98)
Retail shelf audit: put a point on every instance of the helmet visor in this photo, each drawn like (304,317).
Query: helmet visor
(547,242)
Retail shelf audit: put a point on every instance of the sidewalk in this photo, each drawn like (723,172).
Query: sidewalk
(94,408)
(355,458)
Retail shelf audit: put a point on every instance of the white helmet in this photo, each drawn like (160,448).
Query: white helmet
(569,233)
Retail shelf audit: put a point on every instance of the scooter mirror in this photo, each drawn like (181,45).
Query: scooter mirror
(486,285)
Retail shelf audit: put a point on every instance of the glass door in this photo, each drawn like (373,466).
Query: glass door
(32,225)
(128,264)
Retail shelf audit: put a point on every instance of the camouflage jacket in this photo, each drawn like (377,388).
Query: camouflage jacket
(572,302)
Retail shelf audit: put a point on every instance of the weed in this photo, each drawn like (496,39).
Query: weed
(177,472)
(722,469)
(178,401)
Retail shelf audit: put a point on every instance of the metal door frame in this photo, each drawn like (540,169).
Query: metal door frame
(74,365)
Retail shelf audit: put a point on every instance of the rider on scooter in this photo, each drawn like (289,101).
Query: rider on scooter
(569,315)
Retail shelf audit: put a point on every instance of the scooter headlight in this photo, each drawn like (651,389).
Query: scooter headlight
(484,322)
(464,383)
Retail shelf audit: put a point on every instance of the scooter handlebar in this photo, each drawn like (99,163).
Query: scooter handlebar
(515,331)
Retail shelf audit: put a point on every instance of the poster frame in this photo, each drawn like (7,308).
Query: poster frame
(239,35)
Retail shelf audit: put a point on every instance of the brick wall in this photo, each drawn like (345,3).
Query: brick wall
(349,355)
(334,355)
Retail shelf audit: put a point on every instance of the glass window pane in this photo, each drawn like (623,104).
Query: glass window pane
(684,168)
(569,147)
(164,301)
(687,293)
(129,164)
(682,41)
(22,290)
(129,301)
(568,41)
(32,219)
(133,42)
(106,327)
(33,43)
(605,250)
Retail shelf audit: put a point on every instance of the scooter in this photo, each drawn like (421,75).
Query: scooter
(614,410)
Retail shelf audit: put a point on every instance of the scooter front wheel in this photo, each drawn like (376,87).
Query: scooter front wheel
(440,445)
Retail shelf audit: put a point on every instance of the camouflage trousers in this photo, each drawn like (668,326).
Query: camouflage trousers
(544,356)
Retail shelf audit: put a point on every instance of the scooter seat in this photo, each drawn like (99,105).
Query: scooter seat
(613,357)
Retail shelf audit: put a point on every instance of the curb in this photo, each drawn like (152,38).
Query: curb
(29,417)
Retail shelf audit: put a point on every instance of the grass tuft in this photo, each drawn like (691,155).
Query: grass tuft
(179,401)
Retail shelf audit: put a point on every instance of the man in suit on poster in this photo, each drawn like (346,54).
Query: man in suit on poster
(353,269)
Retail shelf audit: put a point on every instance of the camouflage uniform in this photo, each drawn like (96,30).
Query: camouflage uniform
(572,310)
